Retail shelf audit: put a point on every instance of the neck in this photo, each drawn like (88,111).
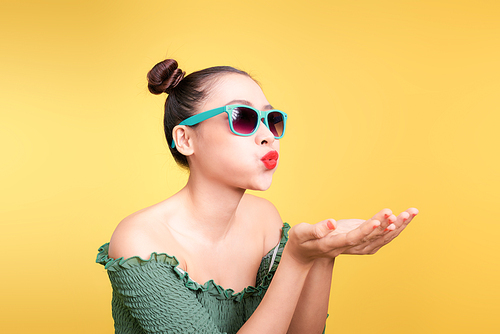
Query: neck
(210,208)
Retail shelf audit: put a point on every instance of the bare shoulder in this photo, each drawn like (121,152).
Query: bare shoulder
(264,216)
(262,207)
(136,235)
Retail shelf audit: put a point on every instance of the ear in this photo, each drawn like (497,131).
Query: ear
(182,136)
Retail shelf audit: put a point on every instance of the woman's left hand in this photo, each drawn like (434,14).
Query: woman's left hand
(389,228)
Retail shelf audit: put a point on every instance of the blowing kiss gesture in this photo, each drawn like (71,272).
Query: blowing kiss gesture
(330,238)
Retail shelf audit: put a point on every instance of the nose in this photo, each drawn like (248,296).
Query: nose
(264,136)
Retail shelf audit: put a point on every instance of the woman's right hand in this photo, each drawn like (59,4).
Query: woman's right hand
(308,242)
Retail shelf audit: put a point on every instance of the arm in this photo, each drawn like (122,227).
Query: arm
(151,298)
(273,315)
(312,308)
(157,305)
(308,256)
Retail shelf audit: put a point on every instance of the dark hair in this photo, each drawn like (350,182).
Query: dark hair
(185,94)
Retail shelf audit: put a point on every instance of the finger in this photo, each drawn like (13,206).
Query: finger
(323,228)
(391,227)
(385,217)
(378,235)
(402,221)
(376,240)
(413,211)
(319,230)
(382,215)
(406,217)
(363,232)
(385,225)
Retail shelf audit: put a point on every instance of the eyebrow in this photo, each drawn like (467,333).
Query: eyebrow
(248,103)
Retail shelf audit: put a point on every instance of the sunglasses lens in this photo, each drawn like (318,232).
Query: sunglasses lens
(244,120)
(276,123)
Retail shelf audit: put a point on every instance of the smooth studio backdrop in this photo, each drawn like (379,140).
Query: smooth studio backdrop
(391,104)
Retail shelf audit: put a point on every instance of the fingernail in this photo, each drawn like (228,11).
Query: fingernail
(330,225)
(405,219)
(377,224)
(386,215)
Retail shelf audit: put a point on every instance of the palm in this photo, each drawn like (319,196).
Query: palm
(347,236)
(347,225)
(389,228)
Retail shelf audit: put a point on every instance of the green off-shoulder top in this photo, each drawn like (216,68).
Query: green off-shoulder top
(155,296)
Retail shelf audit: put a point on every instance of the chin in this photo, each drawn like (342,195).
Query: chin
(259,188)
(261,185)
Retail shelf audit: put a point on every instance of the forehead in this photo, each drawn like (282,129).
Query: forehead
(232,87)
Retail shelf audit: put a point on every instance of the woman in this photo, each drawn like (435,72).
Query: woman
(212,259)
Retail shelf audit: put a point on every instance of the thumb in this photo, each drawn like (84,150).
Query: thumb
(323,228)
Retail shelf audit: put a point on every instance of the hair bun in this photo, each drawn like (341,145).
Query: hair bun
(164,76)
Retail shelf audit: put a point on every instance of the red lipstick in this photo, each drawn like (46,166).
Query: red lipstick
(270,160)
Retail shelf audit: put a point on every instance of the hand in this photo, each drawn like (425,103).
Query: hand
(348,236)
(389,228)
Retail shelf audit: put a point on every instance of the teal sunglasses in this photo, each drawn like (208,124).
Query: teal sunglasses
(243,120)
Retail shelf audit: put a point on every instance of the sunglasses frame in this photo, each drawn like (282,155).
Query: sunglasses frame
(198,118)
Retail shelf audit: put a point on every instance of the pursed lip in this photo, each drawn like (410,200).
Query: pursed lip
(270,159)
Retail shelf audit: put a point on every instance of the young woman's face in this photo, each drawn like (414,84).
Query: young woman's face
(225,157)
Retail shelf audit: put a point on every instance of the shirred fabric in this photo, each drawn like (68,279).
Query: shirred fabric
(154,296)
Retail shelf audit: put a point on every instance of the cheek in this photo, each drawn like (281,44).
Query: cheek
(214,128)
(227,153)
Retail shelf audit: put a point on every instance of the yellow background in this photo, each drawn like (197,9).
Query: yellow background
(391,104)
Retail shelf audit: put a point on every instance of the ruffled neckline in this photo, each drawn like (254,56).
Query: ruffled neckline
(214,289)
